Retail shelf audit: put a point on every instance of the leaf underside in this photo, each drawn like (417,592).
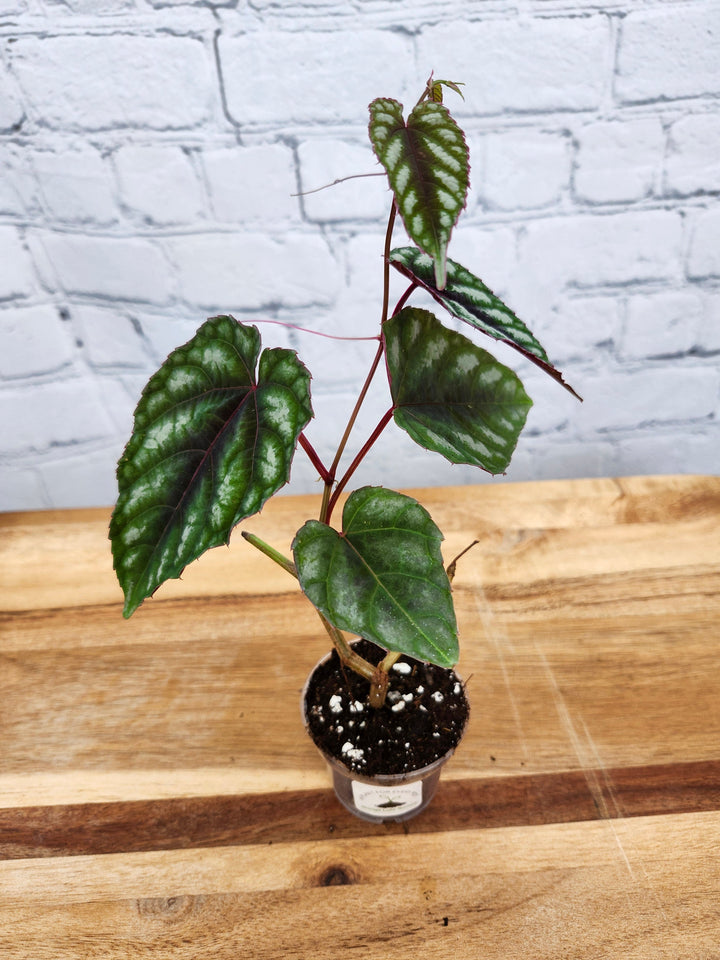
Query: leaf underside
(427,163)
(382,578)
(213,439)
(466,297)
(449,395)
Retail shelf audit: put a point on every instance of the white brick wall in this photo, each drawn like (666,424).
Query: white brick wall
(150,156)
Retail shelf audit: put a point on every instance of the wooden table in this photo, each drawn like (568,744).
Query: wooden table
(159,797)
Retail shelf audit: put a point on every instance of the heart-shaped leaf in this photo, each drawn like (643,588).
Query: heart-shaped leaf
(427,164)
(466,297)
(211,443)
(382,578)
(451,396)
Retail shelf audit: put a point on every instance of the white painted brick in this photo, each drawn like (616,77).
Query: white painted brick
(524,169)
(522,64)
(159,183)
(133,102)
(589,251)
(652,395)
(13,7)
(545,459)
(33,341)
(322,162)
(358,308)
(553,407)
(18,184)
(691,451)
(578,327)
(669,53)
(96,7)
(704,254)
(324,82)
(692,164)
(21,488)
(164,333)
(124,268)
(246,271)
(86,479)
(17,277)
(709,332)
(489,253)
(252,183)
(64,412)
(109,337)
(11,110)
(661,324)
(99,82)
(619,160)
(76,185)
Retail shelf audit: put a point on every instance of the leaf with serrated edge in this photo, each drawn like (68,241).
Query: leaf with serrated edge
(466,297)
(382,578)
(427,164)
(211,443)
(449,395)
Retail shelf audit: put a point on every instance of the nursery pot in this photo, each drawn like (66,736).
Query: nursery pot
(382,796)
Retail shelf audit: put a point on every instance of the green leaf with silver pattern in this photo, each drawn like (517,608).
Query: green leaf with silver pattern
(383,577)
(449,395)
(213,439)
(466,297)
(427,163)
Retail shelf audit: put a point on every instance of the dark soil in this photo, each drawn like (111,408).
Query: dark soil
(394,739)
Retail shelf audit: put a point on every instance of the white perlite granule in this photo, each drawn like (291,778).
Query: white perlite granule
(354,753)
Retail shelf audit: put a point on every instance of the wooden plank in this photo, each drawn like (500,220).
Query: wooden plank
(291,816)
(600,889)
(189,692)
(76,549)
(157,800)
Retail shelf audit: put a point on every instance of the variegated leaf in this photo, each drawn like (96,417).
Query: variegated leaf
(449,395)
(427,164)
(212,441)
(466,297)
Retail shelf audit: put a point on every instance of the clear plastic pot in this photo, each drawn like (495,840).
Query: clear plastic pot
(384,797)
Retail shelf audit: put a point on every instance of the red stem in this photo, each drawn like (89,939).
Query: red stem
(404,298)
(315,459)
(357,461)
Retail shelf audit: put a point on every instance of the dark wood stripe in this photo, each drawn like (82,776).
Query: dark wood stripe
(99,828)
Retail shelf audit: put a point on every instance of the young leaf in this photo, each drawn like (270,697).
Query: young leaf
(427,165)
(436,92)
(211,443)
(382,578)
(466,297)
(451,396)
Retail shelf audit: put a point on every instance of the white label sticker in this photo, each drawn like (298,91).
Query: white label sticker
(387,802)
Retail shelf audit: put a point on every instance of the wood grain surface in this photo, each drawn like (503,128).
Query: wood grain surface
(159,797)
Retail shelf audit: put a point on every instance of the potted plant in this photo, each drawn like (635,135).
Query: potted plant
(218,425)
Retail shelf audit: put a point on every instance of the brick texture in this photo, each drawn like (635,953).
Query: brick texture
(152,153)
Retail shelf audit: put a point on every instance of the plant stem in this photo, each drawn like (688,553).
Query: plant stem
(356,410)
(381,680)
(451,567)
(386,262)
(271,552)
(329,498)
(404,298)
(315,459)
(357,461)
(326,508)
(346,653)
